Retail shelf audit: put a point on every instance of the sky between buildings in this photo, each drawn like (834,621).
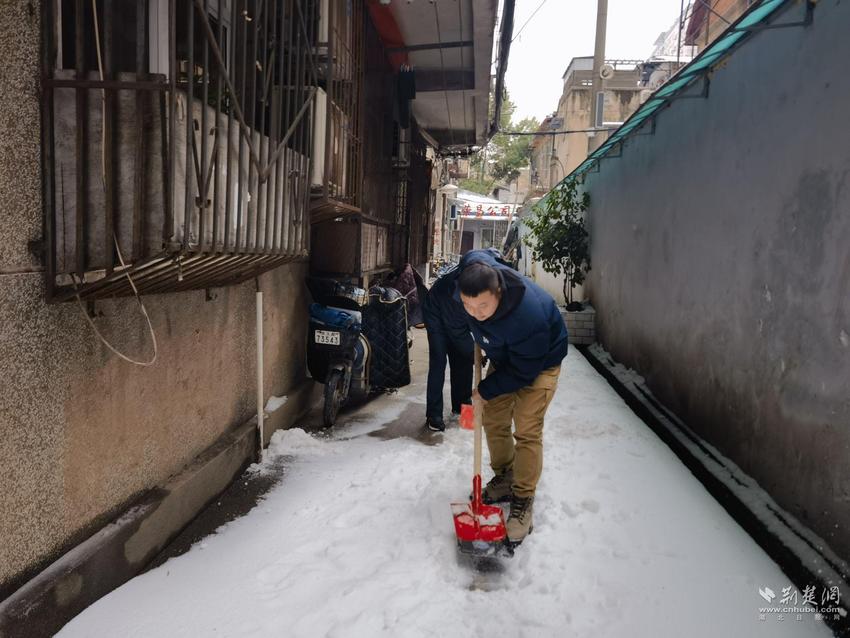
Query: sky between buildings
(564,29)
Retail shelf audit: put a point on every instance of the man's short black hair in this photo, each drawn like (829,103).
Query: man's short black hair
(477,278)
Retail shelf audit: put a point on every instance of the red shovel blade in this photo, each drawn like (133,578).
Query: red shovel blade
(479,528)
(487,525)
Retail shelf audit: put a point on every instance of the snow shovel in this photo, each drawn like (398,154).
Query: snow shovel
(480,528)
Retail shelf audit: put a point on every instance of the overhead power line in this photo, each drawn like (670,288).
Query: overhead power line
(579,130)
(529,20)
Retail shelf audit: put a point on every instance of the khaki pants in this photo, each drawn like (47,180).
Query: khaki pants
(521,450)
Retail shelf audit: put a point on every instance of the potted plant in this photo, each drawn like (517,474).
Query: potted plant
(558,238)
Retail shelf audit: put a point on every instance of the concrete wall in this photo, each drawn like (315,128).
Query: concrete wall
(721,268)
(83,433)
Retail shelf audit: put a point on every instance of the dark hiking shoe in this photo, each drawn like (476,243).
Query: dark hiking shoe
(498,490)
(519,524)
(435,426)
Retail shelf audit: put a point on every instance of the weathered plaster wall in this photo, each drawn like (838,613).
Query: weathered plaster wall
(82,433)
(20,169)
(721,268)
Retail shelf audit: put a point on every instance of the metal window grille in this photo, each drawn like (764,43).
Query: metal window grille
(177,140)
(340,144)
(420,205)
(359,214)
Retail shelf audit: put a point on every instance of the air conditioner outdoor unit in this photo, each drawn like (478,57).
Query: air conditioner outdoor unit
(340,146)
(158,31)
(324,21)
(343,34)
(320,131)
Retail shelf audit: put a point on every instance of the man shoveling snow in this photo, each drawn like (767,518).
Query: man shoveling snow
(520,328)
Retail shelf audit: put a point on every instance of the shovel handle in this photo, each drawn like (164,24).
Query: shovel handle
(478,409)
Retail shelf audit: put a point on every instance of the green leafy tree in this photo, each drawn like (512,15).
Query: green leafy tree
(558,238)
(505,155)
(513,152)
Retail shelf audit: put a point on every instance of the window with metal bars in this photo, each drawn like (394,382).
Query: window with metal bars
(420,205)
(178,141)
(359,209)
(337,184)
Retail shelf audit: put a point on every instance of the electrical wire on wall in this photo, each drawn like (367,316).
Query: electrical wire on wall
(114,237)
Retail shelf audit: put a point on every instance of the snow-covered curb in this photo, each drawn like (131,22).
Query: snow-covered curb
(813,553)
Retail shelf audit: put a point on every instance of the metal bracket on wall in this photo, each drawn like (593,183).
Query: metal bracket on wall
(805,22)
(595,168)
(651,131)
(706,83)
(648,131)
(619,152)
(610,155)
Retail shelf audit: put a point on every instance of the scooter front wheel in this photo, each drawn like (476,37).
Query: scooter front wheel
(333,397)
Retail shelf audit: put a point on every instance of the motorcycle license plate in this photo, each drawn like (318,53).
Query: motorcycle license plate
(328,337)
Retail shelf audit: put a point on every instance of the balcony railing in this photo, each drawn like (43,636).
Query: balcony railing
(178,141)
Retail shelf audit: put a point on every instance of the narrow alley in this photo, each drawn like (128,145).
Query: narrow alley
(356,540)
(245,244)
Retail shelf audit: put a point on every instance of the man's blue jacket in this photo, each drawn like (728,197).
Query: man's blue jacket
(525,335)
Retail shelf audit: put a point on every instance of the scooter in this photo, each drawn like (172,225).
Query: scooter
(337,350)
(358,342)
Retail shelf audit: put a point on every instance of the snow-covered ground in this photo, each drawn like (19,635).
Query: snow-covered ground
(357,541)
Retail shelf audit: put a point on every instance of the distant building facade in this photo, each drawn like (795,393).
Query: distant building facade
(555,155)
(705,23)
